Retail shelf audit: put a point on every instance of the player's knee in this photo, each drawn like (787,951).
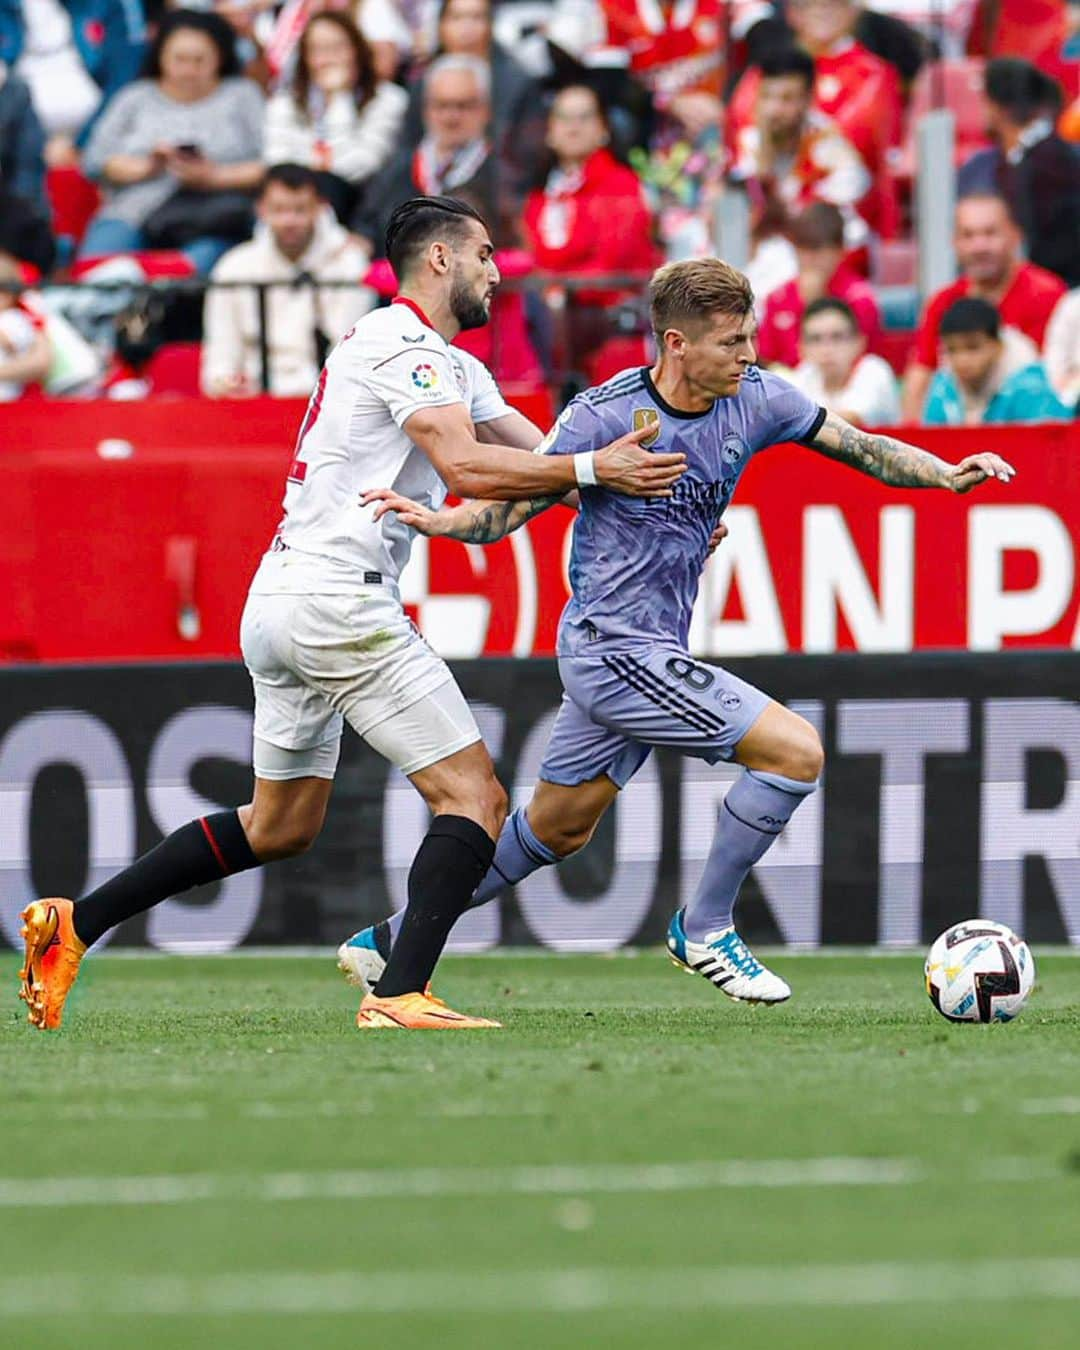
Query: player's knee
(284,839)
(567,836)
(806,756)
(496,804)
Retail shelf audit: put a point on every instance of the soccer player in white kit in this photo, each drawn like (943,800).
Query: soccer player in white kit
(325,636)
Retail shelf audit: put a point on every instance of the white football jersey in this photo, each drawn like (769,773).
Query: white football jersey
(390,364)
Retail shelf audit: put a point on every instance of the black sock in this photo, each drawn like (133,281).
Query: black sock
(200,851)
(448,867)
(384,939)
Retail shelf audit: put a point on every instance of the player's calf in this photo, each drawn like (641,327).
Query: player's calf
(519,852)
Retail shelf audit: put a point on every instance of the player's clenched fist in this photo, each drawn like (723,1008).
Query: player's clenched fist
(624,467)
(976,469)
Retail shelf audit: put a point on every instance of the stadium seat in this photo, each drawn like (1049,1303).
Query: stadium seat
(73,199)
(616,354)
(534,400)
(896,346)
(956,85)
(895,262)
(174,369)
(157,264)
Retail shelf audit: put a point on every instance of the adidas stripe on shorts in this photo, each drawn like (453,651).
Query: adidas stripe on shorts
(622,699)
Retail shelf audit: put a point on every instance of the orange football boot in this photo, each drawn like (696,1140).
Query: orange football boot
(53,953)
(415,1012)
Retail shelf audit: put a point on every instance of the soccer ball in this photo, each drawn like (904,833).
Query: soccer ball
(979,971)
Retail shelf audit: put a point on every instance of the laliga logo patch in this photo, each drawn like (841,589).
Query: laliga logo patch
(647,417)
(425,377)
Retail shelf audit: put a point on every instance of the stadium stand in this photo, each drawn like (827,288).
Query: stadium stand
(673,101)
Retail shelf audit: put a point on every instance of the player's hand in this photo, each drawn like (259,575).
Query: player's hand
(417,517)
(717,537)
(624,467)
(976,469)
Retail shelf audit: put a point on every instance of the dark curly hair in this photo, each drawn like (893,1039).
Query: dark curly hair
(364,89)
(211,25)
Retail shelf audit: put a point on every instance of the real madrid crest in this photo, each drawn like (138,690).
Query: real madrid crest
(647,417)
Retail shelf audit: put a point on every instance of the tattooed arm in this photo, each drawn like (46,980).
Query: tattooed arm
(901,465)
(473,522)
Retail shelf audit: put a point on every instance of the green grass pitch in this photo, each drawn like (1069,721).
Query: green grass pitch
(209,1154)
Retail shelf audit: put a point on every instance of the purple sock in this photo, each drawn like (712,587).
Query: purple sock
(757,807)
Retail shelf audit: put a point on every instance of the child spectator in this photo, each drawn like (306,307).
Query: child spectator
(991,267)
(838,372)
(988,375)
(1061,351)
(337,117)
(25,353)
(179,151)
(299,245)
(818,237)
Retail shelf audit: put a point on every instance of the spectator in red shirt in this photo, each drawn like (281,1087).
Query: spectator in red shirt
(988,257)
(818,237)
(588,214)
(857,89)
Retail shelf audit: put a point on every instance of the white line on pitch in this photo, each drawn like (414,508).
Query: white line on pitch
(585,1290)
(1051,1106)
(426,1182)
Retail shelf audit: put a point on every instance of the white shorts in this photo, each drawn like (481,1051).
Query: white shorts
(317,661)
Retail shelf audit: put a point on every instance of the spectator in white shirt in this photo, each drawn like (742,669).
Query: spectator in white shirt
(336,117)
(299,246)
(837,371)
(1061,349)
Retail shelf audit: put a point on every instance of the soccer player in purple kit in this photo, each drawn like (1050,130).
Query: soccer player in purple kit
(630,682)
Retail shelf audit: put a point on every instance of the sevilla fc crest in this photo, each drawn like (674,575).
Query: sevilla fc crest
(647,417)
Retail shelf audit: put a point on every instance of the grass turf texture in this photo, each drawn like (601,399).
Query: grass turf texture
(961,1221)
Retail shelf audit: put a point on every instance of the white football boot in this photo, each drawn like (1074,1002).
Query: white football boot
(361,961)
(726,961)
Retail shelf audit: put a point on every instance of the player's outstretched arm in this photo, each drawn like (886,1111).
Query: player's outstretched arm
(902,465)
(499,472)
(473,522)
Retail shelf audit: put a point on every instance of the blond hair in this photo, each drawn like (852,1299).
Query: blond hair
(687,294)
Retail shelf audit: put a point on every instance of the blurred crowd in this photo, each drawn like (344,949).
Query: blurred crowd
(252,152)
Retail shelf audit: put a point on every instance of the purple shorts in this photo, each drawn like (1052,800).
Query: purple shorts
(623,699)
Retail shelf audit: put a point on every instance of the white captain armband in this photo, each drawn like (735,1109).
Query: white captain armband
(585,468)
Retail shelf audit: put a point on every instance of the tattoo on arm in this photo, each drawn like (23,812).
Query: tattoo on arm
(894,462)
(484,522)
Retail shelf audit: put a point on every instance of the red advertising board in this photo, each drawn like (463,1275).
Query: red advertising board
(133,529)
